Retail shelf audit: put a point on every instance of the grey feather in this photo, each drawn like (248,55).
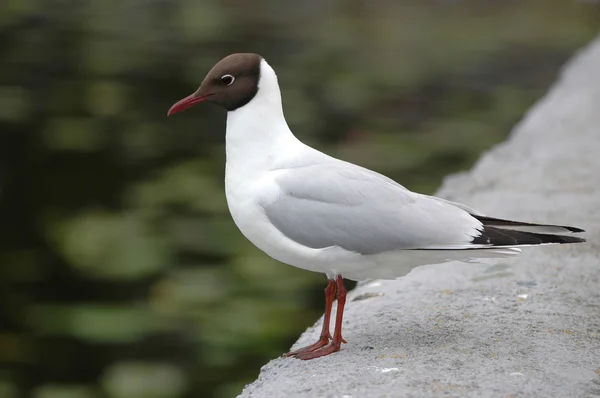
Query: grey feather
(362,211)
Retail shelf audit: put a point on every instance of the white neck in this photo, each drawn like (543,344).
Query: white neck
(257,130)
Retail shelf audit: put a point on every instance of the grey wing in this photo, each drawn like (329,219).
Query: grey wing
(359,210)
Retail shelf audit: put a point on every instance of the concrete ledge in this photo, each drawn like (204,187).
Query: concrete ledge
(528,326)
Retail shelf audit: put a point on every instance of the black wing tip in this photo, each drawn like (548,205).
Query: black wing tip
(566,239)
(505,237)
(575,229)
(492,222)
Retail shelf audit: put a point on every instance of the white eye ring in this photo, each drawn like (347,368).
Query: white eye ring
(227,79)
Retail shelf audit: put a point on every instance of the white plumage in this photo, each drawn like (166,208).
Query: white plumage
(310,210)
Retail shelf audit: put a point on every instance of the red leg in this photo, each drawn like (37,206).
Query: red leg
(325,335)
(337,340)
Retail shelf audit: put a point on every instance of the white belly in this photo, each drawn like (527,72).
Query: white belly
(244,201)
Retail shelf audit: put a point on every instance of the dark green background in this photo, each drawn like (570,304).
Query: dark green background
(121,272)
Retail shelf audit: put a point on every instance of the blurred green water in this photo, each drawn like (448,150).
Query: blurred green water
(121,272)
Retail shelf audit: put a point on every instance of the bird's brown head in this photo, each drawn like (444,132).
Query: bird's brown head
(231,83)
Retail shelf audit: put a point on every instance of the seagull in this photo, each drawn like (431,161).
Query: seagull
(312,211)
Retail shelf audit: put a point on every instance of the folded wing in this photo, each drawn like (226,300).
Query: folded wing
(362,211)
(341,204)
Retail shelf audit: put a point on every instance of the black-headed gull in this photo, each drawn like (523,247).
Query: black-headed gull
(310,210)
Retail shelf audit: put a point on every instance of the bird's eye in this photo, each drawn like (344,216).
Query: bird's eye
(227,79)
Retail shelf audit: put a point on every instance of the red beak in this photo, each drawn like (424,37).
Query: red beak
(187,102)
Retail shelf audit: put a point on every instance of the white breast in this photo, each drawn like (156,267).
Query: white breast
(244,199)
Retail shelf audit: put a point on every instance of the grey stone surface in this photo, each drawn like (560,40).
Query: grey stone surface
(522,327)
